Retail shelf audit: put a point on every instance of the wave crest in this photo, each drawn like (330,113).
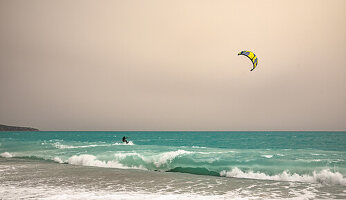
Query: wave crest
(324,177)
(6,155)
(58,160)
(167,157)
(90,160)
(58,145)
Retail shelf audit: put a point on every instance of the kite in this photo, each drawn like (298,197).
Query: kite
(251,56)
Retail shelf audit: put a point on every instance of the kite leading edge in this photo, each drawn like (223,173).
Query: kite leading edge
(251,56)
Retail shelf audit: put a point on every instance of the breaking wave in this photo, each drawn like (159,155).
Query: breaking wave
(125,160)
(199,160)
(90,160)
(167,157)
(6,155)
(182,161)
(324,177)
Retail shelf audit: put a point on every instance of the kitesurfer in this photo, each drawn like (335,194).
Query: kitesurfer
(124,140)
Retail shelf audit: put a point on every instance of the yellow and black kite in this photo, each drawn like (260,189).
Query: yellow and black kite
(252,57)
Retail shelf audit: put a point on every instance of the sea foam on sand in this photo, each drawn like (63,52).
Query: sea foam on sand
(58,193)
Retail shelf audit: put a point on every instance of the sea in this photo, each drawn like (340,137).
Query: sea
(167,165)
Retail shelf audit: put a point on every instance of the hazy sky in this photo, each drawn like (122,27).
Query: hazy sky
(173,65)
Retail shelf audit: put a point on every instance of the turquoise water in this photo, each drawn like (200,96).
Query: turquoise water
(313,157)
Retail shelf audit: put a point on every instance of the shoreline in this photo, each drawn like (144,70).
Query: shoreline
(95,165)
(25,178)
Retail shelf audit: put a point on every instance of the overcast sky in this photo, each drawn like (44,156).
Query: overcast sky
(173,65)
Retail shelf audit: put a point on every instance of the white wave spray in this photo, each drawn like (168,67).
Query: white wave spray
(167,157)
(324,177)
(6,155)
(90,160)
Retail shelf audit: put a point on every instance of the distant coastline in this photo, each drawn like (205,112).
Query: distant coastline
(16,128)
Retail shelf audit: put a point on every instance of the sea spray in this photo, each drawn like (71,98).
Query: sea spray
(58,145)
(90,160)
(123,143)
(324,177)
(167,157)
(6,155)
(58,160)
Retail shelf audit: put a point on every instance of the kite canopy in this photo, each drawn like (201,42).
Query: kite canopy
(252,57)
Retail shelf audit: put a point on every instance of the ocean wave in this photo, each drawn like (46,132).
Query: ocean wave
(324,177)
(267,156)
(167,157)
(193,162)
(123,155)
(187,163)
(317,154)
(161,161)
(198,147)
(126,160)
(58,160)
(6,155)
(58,145)
(90,160)
(157,160)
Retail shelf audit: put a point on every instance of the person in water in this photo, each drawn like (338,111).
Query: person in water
(124,140)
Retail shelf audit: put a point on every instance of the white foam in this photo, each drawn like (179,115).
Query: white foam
(158,160)
(141,196)
(58,145)
(324,177)
(316,160)
(59,193)
(161,159)
(316,154)
(167,157)
(6,155)
(267,156)
(123,143)
(121,156)
(58,160)
(90,160)
(62,193)
(198,147)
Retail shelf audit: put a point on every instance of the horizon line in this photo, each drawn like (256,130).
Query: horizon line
(196,130)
